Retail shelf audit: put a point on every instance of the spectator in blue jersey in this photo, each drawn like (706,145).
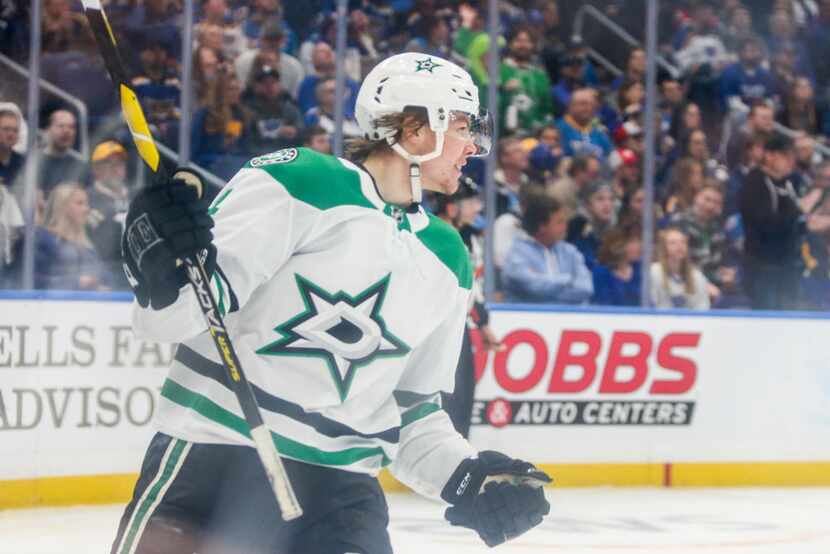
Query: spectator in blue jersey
(544,158)
(322,114)
(617,274)
(595,216)
(746,81)
(323,59)
(65,258)
(542,267)
(219,129)
(581,134)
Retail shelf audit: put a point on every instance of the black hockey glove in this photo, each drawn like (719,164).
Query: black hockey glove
(166,222)
(510,502)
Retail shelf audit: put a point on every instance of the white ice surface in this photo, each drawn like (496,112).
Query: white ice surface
(598,521)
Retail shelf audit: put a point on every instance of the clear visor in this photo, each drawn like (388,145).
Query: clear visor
(476,128)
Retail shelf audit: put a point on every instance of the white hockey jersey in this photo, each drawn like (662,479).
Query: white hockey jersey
(347,314)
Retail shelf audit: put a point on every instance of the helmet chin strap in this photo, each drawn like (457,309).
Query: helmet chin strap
(415,164)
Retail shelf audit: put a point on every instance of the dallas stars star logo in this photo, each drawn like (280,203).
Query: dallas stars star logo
(426,65)
(347,332)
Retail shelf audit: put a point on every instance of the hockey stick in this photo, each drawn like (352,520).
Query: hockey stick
(143,139)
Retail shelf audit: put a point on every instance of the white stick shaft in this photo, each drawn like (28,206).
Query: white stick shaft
(274,468)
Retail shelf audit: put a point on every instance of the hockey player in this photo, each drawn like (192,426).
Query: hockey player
(346,303)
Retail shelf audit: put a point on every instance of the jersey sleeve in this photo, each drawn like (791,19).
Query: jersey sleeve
(430,449)
(258,227)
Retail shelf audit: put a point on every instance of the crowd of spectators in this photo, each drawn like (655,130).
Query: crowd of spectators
(742,212)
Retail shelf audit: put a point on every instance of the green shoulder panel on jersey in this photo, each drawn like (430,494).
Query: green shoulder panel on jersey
(446,244)
(314,178)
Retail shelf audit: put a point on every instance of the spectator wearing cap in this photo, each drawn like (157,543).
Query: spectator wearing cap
(747,80)
(58,162)
(323,59)
(625,164)
(570,79)
(540,266)
(158,86)
(525,88)
(581,134)
(629,136)
(581,171)
(11,163)
(773,228)
(595,216)
(617,273)
(323,113)
(275,120)
(108,202)
(271,41)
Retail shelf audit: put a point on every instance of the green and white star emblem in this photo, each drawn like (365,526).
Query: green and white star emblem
(347,332)
(426,65)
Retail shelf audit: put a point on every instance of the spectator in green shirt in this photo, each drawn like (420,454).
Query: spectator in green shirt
(525,100)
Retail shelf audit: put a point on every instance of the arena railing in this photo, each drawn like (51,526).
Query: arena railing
(77,103)
(625,36)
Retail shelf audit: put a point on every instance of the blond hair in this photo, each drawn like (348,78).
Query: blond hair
(56,221)
(358,149)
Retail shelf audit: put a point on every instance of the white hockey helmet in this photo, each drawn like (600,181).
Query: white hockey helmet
(412,80)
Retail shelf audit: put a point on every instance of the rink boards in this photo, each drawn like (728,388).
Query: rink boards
(598,397)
